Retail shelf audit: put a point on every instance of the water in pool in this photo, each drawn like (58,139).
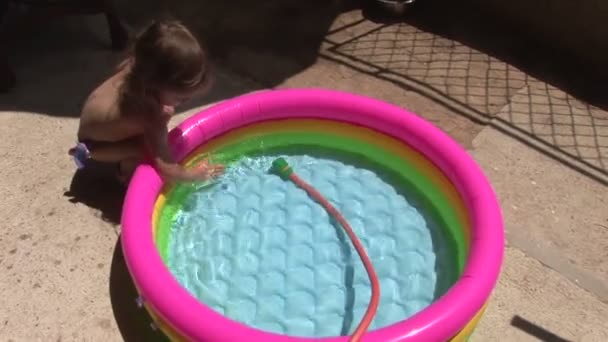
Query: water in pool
(257,249)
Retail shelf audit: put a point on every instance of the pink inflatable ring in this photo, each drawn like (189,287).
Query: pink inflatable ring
(439,160)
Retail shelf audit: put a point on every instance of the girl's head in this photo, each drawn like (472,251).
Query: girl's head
(167,63)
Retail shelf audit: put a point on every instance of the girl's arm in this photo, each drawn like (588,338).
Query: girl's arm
(157,141)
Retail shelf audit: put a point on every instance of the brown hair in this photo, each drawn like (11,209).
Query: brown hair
(165,56)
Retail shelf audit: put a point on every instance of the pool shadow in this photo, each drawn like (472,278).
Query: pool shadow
(133,322)
(444,243)
(349,278)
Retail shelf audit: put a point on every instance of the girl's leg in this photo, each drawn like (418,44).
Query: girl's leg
(125,154)
(126,168)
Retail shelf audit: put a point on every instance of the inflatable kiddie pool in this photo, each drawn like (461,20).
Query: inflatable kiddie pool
(249,257)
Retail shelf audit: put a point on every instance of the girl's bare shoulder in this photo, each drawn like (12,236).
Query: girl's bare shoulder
(102,103)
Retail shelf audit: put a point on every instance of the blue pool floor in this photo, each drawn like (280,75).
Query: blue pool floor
(257,249)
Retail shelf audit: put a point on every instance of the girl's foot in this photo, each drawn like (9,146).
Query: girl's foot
(80,153)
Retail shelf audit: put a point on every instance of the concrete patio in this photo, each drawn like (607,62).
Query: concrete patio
(543,147)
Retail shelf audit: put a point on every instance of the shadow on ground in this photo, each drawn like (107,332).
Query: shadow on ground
(267,41)
(263,42)
(133,322)
(534,330)
(471,26)
(97,188)
(490,72)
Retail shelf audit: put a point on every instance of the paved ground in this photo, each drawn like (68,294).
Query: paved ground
(545,152)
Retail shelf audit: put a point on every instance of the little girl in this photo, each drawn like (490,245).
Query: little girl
(125,119)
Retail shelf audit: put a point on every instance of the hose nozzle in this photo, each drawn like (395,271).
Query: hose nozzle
(281,168)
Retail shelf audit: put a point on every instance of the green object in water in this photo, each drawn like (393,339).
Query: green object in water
(281,168)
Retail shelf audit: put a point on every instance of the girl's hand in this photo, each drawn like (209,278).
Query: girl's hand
(168,110)
(205,170)
(167,113)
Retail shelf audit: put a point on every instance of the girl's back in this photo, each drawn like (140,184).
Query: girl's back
(101,118)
